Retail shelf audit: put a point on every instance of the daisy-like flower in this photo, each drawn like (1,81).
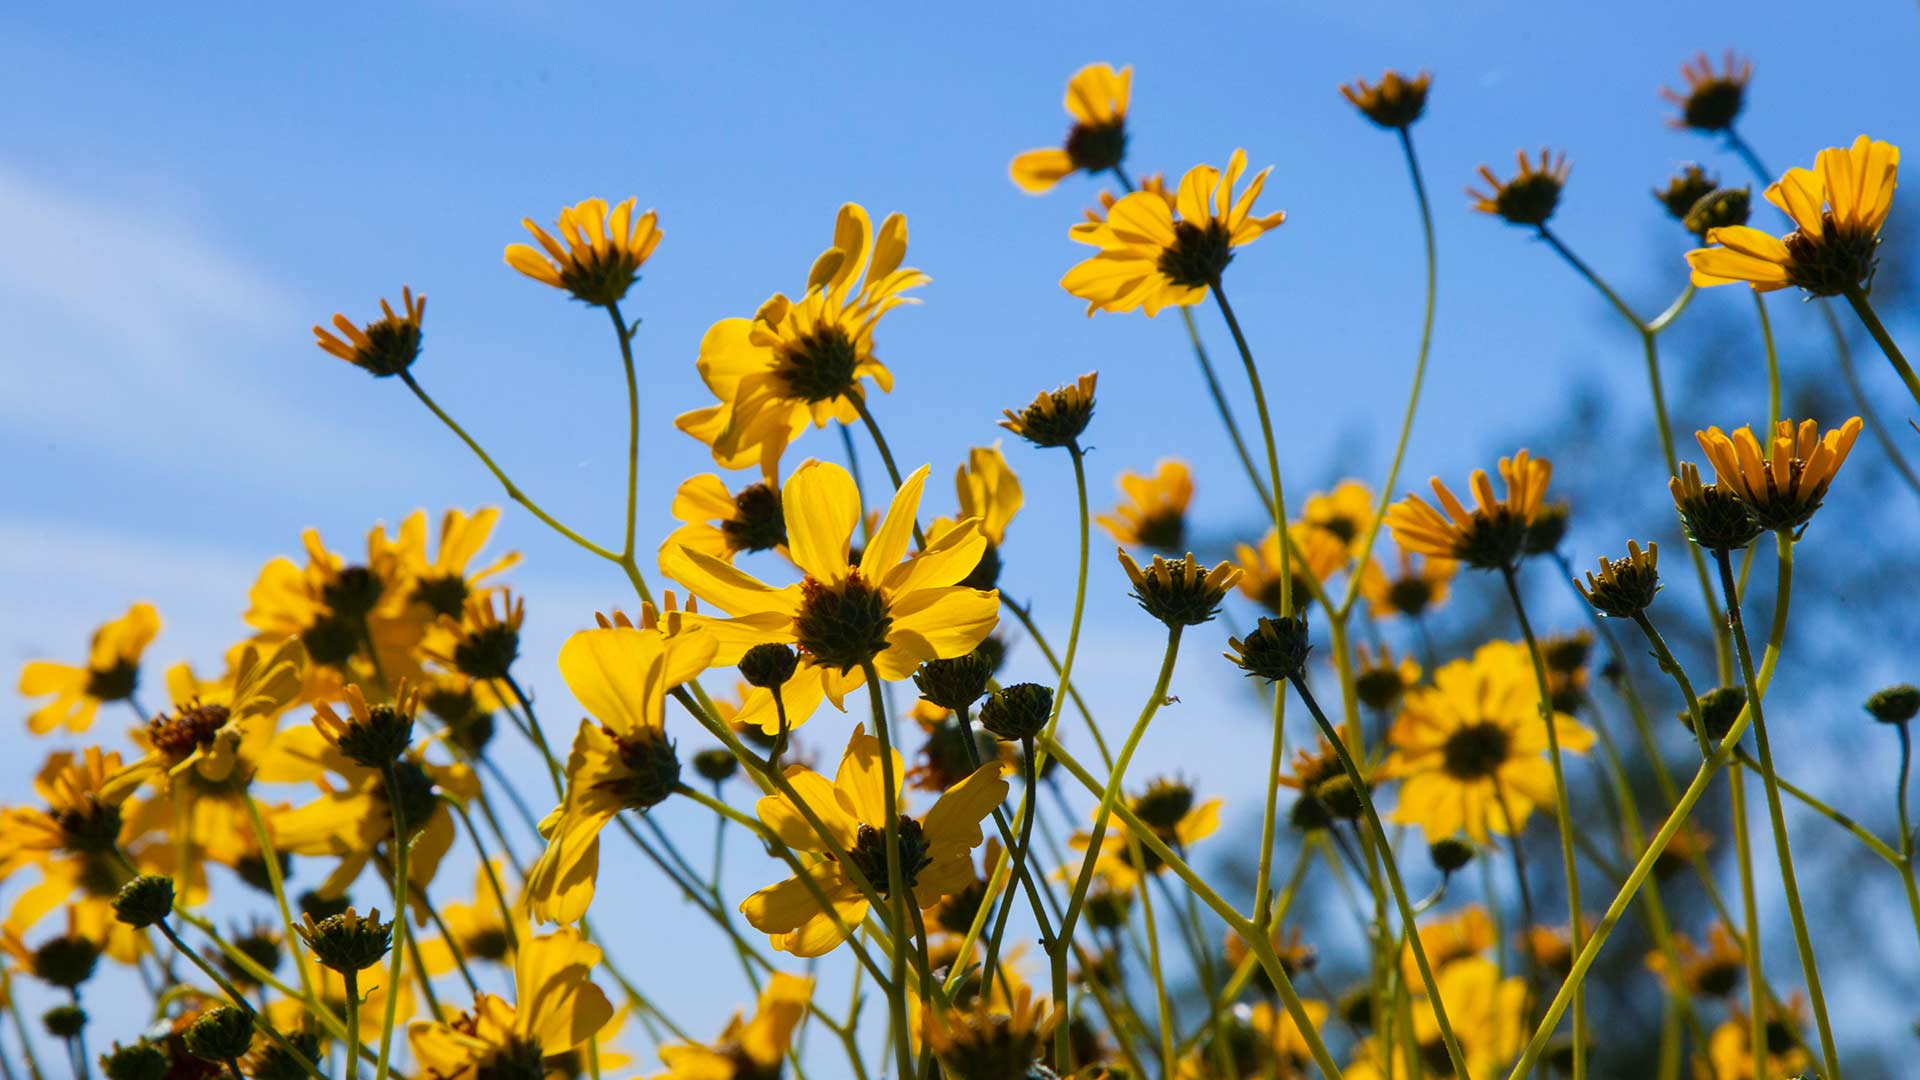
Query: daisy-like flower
(1491,535)
(111,673)
(1317,554)
(723,523)
(1153,513)
(216,730)
(1730,1047)
(1837,207)
(1785,481)
(987,490)
(446,578)
(557,1007)
(386,346)
(934,849)
(801,362)
(1261,1040)
(1154,183)
(746,1049)
(1466,934)
(1530,197)
(1421,584)
(72,837)
(621,759)
(1712,99)
(1326,794)
(1469,748)
(602,253)
(1713,971)
(1097,99)
(1488,1015)
(987,1042)
(1058,416)
(1380,680)
(475,931)
(1395,103)
(893,610)
(1346,512)
(1178,818)
(339,610)
(1153,255)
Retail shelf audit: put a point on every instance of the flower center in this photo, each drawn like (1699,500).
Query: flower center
(445,594)
(1163,806)
(1835,261)
(1197,255)
(1165,530)
(1343,527)
(869,853)
(744,1066)
(1475,751)
(1528,199)
(819,365)
(652,765)
(113,683)
(488,944)
(353,593)
(1410,595)
(191,727)
(515,1059)
(1097,147)
(331,640)
(842,626)
(758,523)
(89,827)
(599,277)
(392,346)
(1713,104)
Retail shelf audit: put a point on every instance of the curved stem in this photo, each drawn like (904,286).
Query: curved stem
(513,490)
(896,896)
(1394,884)
(1814,803)
(886,453)
(1843,352)
(1065,686)
(1862,307)
(1739,146)
(1109,796)
(1419,371)
(1279,502)
(1782,849)
(1563,814)
(402,843)
(271,856)
(625,335)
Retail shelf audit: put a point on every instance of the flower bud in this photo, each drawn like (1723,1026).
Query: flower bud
(1276,650)
(349,943)
(768,666)
(141,1061)
(957,683)
(1895,704)
(144,901)
(1017,712)
(64,1021)
(222,1033)
(1450,854)
(715,765)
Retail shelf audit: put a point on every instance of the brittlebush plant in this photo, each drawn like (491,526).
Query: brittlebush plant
(348,748)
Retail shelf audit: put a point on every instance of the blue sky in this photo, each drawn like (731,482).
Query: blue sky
(185,190)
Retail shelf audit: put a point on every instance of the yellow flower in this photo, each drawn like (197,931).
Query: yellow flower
(1153,255)
(724,524)
(1837,208)
(1097,99)
(447,578)
(1154,183)
(934,849)
(1058,416)
(1154,512)
(747,1049)
(1492,534)
(386,346)
(1319,554)
(983,1041)
(801,362)
(1464,935)
(893,609)
(1396,103)
(337,608)
(216,730)
(1177,818)
(475,931)
(1380,680)
(986,489)
(1711,972)
(1785,481)
(1730,1047)
(71,838)
(1422,584)
(111,673)
(1488,1015)
(1712,99)
(602,255)
(557,1009)
(1469,747)
(624,761)
(1530,197)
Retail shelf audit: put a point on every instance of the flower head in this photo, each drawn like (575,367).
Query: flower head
(725,523)
(1056,417)
(1097,99)
(1276,650)
(1491,535)
(1713,971)
(111,673)
(747,1049)
(1395,103)
(348,942)
(801,362)
(556,1008)
(371,736)
(1712,99)
(1379,680)
(1625,587)
(1714,515)
(1837,208)
(1785,481)
(1154,512)
(444,579)
(1530,197)
(484,641)
(1685,188)
(986,1041)
(1316,555)
(602,253)
(386,346)
(1181,592)
(1469,748)
(1154,255)
(934,850)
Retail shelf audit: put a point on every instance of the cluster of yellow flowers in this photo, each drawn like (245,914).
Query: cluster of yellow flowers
(351,738)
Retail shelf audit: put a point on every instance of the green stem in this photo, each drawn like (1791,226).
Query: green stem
(1843,352)
(1814,803)
(625,335)
(1109,796)
(1862,307)
(352,983)
(1750,915)
(402,844)
(1279,502)
(1563,814)
(1388,863)
(896,884)
(1773,361)
(1782,849)
(1032,628)
(512,489)
(886,453)
(278,882)
(233,994)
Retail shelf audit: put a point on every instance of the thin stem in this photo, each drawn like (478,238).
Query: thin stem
(1220,405)
(352,981)
(512,489)
(402,843)
(1739,146)
(896,884)
(1065,686)
(625,335)
(274,878)
(1858,298)
(1419,370)
(1750,914)
(1407,918)
(1814,803)
(886,453)
(1782,849)
(1563,813)
(1032,628)
(1109,796)
(1773,361)
(1278,504)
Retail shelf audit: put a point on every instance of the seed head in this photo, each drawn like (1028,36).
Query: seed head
(1276,650)
(349,943)
(1181,592)
(1626,587)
